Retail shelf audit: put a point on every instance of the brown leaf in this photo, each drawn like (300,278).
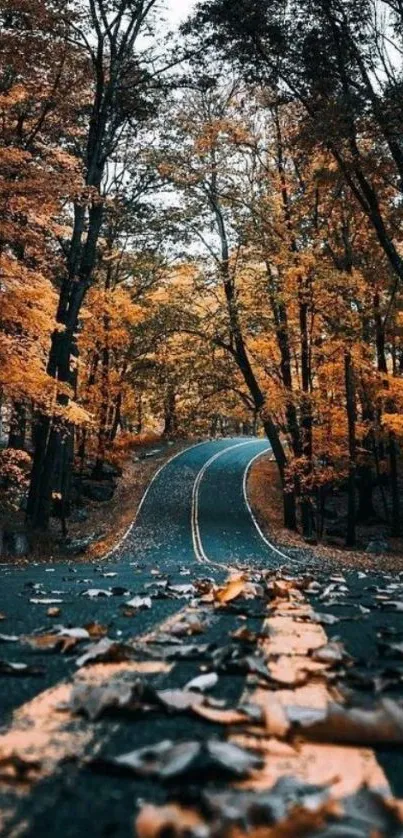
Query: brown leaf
(64,640)
(105,651)
(154,821)
(218,716)
(244,635)
(275,716)
(94,700)
(179,699)
(188,626)
(19,669)
(164,759)
(238,760)
(96,630)
(16,768)
(331,653)
(230,591)
(356,725)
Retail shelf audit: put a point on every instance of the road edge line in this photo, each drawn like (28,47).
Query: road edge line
(198,549)
(250,510)
(144,496)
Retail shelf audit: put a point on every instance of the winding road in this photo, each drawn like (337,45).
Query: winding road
(193,522)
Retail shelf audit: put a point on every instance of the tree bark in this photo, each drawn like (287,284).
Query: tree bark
(104,408)
(306,419)
(54,435)
(351,421)
(396,528)
(170,423)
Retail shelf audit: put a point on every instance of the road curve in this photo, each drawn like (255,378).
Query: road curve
(196,495)
(195,509)
(194,521)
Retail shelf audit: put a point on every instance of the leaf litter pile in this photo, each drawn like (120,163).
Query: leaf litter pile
(291,756)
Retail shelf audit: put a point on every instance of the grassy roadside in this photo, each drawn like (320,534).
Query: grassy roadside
(265,497)
(109,519)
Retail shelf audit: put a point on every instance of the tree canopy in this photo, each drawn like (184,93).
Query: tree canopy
(202,234)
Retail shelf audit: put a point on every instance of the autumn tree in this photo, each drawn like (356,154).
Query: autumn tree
(122,89)
(38,176)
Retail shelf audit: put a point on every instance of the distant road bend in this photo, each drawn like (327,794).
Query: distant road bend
(194,521)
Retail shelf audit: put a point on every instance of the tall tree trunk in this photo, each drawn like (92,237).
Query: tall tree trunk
(365,484)
(391,407)
(396,528)
(306,418)
(117,417)
(240,354)
(170,423)
(104,407)
(54,433)
(351,422)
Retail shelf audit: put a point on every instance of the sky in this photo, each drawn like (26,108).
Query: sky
(179,10)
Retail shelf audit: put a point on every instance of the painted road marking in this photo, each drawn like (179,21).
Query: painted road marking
(199,552)
(250,510)
(143,499)
(287,646)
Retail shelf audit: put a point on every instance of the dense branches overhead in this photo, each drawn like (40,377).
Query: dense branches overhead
(202,234)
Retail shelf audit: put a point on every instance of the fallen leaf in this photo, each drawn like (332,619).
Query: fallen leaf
(244,635)
(203,682)
(50,642)
(230,591)
(105,651)
(383,724)
(324,619)
(283,588)
(183,590)
(139,602)
(17,768)
(94,593)
(188,626)
(96,630)
(185,652)
(93,701)
(164,759)
(331,653)
(155,821)
(274,715)
(218,716)
(396,605)
(16,668)
(38,601)
(235,759)
(179,699)
(76,633)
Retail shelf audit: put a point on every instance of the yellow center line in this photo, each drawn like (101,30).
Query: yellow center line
(287,646)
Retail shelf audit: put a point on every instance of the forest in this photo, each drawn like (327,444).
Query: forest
(201,235)
(201,418)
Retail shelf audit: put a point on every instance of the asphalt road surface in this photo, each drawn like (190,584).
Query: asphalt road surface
(194,522)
